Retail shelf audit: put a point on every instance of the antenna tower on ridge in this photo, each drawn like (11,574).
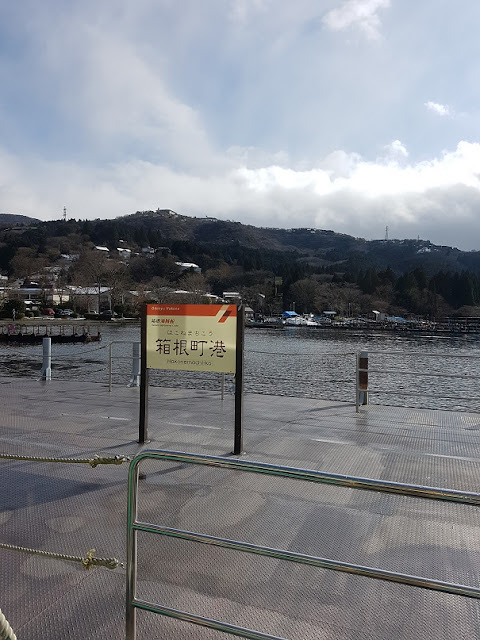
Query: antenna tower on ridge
(386,233)
(65,213)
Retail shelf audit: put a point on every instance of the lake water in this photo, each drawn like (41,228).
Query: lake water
(300,362)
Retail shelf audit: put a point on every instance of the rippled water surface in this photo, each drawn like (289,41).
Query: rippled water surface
(405,369)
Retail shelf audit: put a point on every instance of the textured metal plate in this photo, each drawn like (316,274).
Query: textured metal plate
(71,508)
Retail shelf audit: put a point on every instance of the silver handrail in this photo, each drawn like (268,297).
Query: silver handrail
(426,355)
(111,356)
(367,369)
(353,482)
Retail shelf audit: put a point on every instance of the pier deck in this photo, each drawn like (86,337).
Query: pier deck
(69,509)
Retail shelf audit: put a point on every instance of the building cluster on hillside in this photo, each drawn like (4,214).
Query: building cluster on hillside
(38,291)
(91,299)
(34,296)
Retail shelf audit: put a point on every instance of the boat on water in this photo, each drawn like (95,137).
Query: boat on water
(287,319)
(265,322)
(301,321)
(261,324)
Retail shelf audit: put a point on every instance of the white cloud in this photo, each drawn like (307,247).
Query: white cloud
(134,109)
(362,14)
(242,10)
(437,199)
(439,109)
(396,150)
(243,110)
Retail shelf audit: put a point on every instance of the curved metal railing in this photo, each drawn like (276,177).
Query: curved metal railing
(134,525)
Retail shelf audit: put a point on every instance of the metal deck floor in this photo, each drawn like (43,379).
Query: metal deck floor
(72,508)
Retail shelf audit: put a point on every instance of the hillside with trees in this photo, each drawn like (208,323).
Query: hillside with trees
(311,270)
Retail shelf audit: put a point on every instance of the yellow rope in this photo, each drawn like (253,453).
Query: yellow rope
(88,561)
(93,462)
(6,631)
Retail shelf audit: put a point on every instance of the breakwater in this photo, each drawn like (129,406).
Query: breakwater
(29,333)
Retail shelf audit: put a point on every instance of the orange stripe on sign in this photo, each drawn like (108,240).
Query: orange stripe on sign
(202,310)
(226,315)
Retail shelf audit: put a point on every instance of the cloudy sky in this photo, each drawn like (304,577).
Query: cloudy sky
(350,115)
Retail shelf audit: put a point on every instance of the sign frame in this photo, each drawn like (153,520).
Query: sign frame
(191,337)
(169,330)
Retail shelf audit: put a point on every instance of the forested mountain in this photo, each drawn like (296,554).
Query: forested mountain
(15,219)
(274,268)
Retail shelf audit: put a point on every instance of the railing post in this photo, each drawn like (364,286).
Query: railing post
(356,384)
(110,349)
(223,386)
(132,543)
(46,373)
(361,380)
(135,379)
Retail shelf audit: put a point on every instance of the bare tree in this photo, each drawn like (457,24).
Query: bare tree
(196,286)
(90,270)
(26,262)
(304,292)
(117,278)
(160,289)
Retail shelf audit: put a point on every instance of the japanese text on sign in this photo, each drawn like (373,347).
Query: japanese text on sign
(191,337)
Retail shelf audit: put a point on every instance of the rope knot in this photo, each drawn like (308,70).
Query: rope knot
(89,560)
(96,460)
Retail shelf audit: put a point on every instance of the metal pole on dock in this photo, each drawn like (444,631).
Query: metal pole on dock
(46,373)
(361,395)
(143,418)
(110,356)
(238,436)
(136,360)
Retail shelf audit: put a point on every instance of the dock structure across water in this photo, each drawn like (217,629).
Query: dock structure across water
(60,333)
(71,508)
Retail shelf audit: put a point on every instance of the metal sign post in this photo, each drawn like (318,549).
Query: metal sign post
(143,421)
(239,359)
